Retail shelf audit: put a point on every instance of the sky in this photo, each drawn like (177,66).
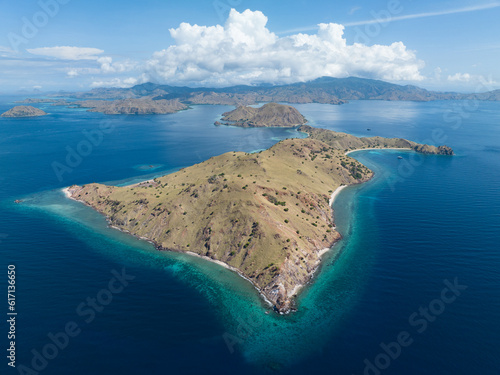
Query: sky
(49,45)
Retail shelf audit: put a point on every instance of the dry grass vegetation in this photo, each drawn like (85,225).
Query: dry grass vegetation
(266,214)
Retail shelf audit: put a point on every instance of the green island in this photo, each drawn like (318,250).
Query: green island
(265,215)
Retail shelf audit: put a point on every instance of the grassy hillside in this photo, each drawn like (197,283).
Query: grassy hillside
(265,214)
(348,142)
(269,115)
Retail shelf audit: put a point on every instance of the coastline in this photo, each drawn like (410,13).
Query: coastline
(379,148)
(335,193)
(296,288)
(291,294)
(68,195)
(231,268)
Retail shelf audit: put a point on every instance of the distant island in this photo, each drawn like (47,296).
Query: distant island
(265,215)
(42,100)
(151,98)
(144,106)
(269,115)
(23,111)
(326,90)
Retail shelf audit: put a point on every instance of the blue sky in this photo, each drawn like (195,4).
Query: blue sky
(79,45)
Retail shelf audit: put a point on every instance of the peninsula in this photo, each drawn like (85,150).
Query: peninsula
(269,115)
(23,111)
(265,215)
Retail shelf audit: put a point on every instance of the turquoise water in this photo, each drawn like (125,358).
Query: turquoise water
(420,221)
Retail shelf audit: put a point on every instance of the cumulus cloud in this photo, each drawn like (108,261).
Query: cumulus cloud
(105,66)
(460,77)
(117,82)
(68,53)
(72,73)
(108,66)
(244,51)
(481,82)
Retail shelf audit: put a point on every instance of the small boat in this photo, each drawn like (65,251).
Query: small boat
(400,157)
(368,129)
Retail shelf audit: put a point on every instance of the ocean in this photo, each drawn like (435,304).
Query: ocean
(412,288)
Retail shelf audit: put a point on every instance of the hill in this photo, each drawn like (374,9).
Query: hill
(23,111)
(266,215)
(141,106)
(269,115)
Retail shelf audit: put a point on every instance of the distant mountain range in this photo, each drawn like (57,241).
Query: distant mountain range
(322,90)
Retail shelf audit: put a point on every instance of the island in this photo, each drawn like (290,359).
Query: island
(43,101)
(267,216)
(132,106)
(152,98)
(325,90)
(269,115)
(23,111)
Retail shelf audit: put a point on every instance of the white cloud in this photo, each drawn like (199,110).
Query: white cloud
(68,53)
(105,66)
(108,66)
(437,73)
(6,51)
(481,82)
(117,82)
(72,73)
(460,77)
(244,51)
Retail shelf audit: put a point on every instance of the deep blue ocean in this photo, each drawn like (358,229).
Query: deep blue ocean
(413,288)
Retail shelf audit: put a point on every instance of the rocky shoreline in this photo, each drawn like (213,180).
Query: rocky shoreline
(272,233)
(285,308)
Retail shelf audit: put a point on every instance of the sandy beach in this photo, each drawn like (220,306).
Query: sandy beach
(379,148)
(295,290)
(335,193)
